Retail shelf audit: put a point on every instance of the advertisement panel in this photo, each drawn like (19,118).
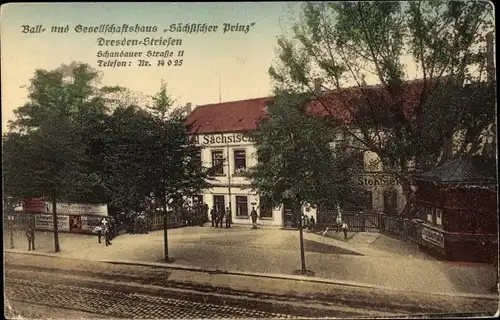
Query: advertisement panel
(433,236)
(75,224)
(33,205)
(45,222)
(84,224)
(76,209)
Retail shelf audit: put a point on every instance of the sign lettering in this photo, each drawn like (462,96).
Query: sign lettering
(433,236)
(46,222)
(366,181)
(78,209)
(232,138)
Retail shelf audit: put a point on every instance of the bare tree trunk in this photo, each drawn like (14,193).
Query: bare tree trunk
(165,228)
(301,237)
(56,231)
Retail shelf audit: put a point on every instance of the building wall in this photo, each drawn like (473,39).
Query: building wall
(231,185)
(373,180)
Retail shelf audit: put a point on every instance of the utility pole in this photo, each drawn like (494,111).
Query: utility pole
(229,180)
(220,94)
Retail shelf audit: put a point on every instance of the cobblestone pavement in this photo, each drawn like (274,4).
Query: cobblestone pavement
(272,296)
(121,305)
(20,310)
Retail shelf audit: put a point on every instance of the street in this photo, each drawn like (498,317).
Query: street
(66,299)
(371,259)
(40,286)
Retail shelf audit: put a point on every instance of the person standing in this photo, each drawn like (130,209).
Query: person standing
(204,214)
(312,224)
(30,235)
(253,214)
(344,228)
(107,236)
(213,216)
(222,214)
(228,218)
(98,229)
(104,222)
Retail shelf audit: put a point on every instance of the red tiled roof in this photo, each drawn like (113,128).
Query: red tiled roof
(343,105)
(234,116)
(346,103)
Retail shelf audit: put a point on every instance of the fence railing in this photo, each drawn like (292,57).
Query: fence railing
(404,229)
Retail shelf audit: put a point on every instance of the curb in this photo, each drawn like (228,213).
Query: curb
(298,278)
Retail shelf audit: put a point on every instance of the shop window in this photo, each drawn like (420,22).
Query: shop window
(439,217)
(266,207)
(219,203)
(241,206)
(240,161)
(218,162)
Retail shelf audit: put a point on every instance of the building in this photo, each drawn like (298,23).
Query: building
(459,209)
(221,129)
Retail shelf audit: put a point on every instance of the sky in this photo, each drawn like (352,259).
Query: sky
(241,60)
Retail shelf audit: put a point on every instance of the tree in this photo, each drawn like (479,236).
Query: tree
(45,153)
(445,113)
(175,168)
(295,162)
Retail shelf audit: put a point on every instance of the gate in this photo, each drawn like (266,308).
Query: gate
(358,222)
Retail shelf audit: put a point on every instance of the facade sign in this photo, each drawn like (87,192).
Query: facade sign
(375,180)
(78,209)
(46,222)
(433,236)
(34,205)
(229,138)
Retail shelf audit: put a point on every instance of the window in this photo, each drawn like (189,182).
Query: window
(439,217)
(197,158)
(198,199)
(240,161)
(429,214)
(219,203)
(218,162)
(266,207)
(241,206)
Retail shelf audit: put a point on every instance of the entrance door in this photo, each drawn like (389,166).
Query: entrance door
(219,203)
(288,215)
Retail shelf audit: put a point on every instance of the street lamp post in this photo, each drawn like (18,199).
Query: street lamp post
(165,228)
(229,181)
(11,218)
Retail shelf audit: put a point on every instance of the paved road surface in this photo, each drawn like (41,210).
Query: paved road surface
(68,299)
(383,262)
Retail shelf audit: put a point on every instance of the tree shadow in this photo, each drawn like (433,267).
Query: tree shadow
(314,246)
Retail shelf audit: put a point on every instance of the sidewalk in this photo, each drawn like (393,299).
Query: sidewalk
(271,251)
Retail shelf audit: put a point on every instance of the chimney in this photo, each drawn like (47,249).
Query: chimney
(188,108)
(490,56)
(318,86)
